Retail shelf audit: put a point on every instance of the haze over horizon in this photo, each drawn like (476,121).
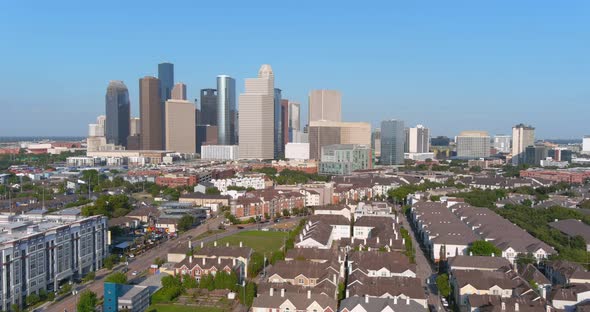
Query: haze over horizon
(452,66)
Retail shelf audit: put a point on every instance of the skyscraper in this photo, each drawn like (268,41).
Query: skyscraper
(208,107)
(322,133)
(166,77)
(285,120)
(419,139)
(522,137)
(278,124)
(179,91)
(134,126)
(325,105)
(502,143)
(180,126)
(257,116)
(226,110)
(294,116)
(117,109)
(473,145)
(150,113)
(392,142)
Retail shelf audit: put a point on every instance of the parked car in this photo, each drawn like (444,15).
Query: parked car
(134,273)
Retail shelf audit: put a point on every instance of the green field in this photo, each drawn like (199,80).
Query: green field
(262,242)
(181,308)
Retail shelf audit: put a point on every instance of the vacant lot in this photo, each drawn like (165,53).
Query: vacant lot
(262,242)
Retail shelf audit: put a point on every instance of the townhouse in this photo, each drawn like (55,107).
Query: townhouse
(285,301)
(271,202)
(213,259)
(380,264)
(321,231)
(564,272)
(367,304)
(361,285)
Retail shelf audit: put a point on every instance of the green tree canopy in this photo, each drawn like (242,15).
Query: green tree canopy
(116,277)
(186,223)
(87,301)
(442,283)
(484,248)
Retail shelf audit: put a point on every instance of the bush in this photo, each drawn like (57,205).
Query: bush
(33,299)
(89,277)
(87,301)
(484,248)
(117,277)
(442,283)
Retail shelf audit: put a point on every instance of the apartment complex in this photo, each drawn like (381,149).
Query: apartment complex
(341,159)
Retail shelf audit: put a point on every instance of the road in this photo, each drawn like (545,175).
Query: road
(142,262)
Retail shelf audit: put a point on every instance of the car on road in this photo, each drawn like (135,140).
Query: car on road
(240,227)
(445,303)
(134,273)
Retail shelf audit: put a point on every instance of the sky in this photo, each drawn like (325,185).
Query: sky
(449,65)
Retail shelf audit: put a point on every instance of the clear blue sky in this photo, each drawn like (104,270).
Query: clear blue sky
(450,65)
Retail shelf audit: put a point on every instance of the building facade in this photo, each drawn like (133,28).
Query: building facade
(179,91)
(297,151)
(208,107)
(343,159)
(180,122)
(150,114)
(257,116)
(325,105)
(392,142)
(473,144)
(323,133)
(220,152)
(117,108)
(278,124)
(419,139)
(522,136)
(376,142)
(503,143)
(226,110)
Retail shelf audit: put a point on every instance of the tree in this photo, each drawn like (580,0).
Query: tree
(256,264)
(207,282)
(116,277)
(523,259)
(475,169)
(159,261)
(33,299)
(442,283)
(212,191)
(189,282)
(277,256)
(89,277)
(87,301)
(286,212)
(484,248)
(186,223)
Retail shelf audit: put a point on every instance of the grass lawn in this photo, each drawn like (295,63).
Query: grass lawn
(181,308)
(262,242)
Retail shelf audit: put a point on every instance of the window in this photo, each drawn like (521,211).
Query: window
(301,281)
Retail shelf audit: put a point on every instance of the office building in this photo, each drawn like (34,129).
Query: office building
(586,144)
(323,133)
(376,142)
(440,141)
(299,137)
(180,125)
(150,114)
(206,135)
(343,159)
(41,251)
(208,107)
(535,153)
(325,105)
(522,136)
(226,110)
(560,154)
(121,297)
(279,144)
(297,151)
(418,139)
(117,110)
(96,135)
(294,116)
(392,142)
(257,116)
(502,143)
(473,145)
(220,152)
(134,126)
(179,91)
(166,79)
(285,120)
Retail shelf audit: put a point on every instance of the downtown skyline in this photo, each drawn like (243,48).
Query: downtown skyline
(481,78)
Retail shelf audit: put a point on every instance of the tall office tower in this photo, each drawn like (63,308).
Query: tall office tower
(376,142)
(206,135)
(522,136)
(419,139)
(226,110)
(406,140)
(208,107)
(294,116)
(285,120)
(392,142)
(278,125)
(502,143)
(117,113)
(134,126)
(322,133)
(180,125)
(257,116)
(150,114)
(166,76)
(586,144)
(179,91)
(473,144)
(325,105)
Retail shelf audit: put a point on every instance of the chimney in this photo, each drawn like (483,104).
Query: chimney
(403,241)
(282,292)
(218,260)
(190,259)
(493,254)
(215,243)
(227,244)
(241,244)
(516,307)
(407,301)
(202,244)
(335,281)
(308,294)
(395,235)
(366,298)
(395,300)
(390,242)
(190,244)
(378,240)
(347,293)
(364,241)
(470,253)
(233,261)
(204,259)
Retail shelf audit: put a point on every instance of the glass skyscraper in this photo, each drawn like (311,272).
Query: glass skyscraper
(392,142)
(117,109)
(278,124)
(166,77)
(226,110)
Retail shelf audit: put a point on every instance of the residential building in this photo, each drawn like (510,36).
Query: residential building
(257,117)
(575,175)
(286,301)
(322,230)
(180,122)
(325,105)
(323,133)
(419,139)
(226,110)
(481,263)
(473,144)
(522,136)
(209,106)
(502,143)
(392,142)
(179,92)
(201,199)
(121,297)
(220,152)
(367,304)
(466,283)
(402,288)
(41,254)
(380,264)
(151,114)
(297,151)
(573,228)
(117,108)
(253,180)
(563,272)
(343,159)
(212,259)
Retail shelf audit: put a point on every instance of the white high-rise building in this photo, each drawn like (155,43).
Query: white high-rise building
(522,136)
(96,135)
(294,116)
(502,143)
(257,116)
(586,144)
(419,139)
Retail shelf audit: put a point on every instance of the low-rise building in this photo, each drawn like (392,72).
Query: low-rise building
(286,301)
(120,297)
(343,159)
(367,304)
(572,228)
(380,264)
(220,152)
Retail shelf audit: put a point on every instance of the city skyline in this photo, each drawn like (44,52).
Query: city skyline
(471,76)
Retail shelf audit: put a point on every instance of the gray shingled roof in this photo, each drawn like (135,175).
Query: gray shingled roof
(379,304)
